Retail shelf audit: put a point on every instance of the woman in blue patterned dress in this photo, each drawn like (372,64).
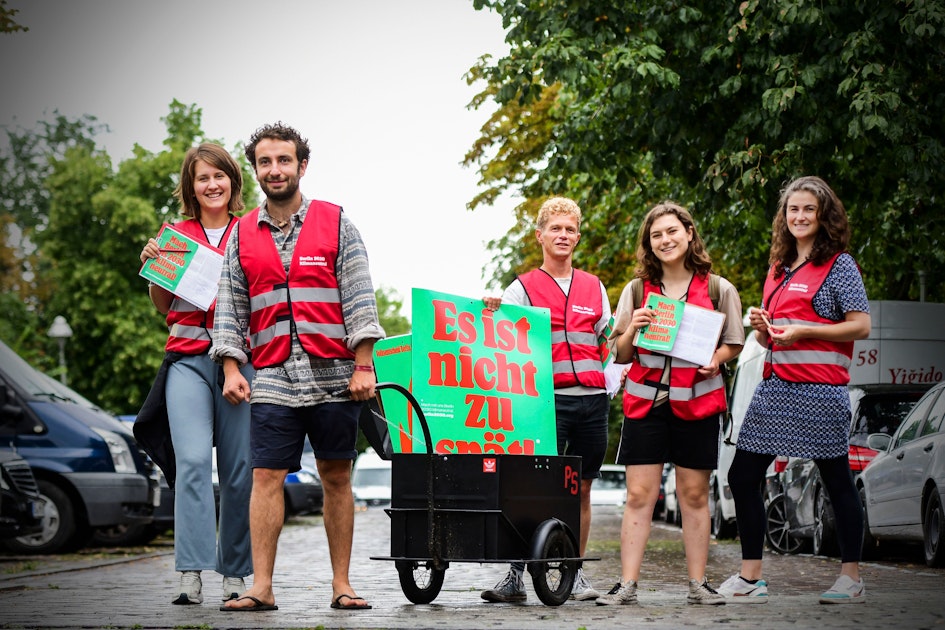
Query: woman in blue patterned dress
(814,307)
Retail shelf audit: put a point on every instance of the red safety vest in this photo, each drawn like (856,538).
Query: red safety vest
(189,327)
(575,353)
(306,299)
(691,395)
(790,301)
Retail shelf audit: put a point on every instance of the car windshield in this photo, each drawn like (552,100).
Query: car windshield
(372,477)
(610,480)
(881,412)
(34,382)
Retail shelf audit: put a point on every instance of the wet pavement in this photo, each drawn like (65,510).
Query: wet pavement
(98,590)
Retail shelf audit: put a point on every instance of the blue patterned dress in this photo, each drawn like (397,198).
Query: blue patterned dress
(810,420)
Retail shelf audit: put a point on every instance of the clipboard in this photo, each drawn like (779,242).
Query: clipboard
(684,331)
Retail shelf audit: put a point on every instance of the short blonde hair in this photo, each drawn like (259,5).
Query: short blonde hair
(557,206)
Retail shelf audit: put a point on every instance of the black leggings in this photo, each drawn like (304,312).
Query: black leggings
(746,477)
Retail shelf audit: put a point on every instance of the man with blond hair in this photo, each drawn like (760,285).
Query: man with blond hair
(580,310)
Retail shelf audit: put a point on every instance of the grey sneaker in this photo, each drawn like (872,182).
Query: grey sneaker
(190,586)
(845,590)
(582,590)
(232,587)
(621,593)
(702,593)
(510,589)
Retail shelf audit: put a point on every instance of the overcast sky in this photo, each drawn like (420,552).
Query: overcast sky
(376,85)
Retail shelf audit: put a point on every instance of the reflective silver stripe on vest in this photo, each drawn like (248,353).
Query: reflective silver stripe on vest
(810,357)
(267,299)
(588,365)
(657,361)
(309,294)
(335,331)
(189,332)
(266,335)
(576,338)
(183,306)
(651,361)
(685,394)
(640,390)
(787,321)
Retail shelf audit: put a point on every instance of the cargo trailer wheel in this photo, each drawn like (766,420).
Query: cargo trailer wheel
(554,579)
(420,581)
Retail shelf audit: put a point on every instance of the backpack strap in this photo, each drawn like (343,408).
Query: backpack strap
(636,286)
(714,290)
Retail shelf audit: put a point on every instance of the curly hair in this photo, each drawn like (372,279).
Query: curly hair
(277,131)
(218,157)
(649,266)
(557,206)
(832,237)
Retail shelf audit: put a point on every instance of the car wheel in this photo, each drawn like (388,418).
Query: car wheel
(933,530)
(724,530)
(61,531)
(870,544)
(825,538)
(778,532)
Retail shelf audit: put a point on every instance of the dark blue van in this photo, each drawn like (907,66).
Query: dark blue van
(90,472)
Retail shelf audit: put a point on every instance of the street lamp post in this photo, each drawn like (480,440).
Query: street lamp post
(60,331)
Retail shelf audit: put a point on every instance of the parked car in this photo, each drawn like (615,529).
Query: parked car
(809,513)
(371,479)
(124,535)
(304,493)
(21,507)
(903,488)
(671,513)
(906,342)
(88,468)
(611,487)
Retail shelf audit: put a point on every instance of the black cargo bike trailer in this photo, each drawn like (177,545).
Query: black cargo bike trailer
(481,508)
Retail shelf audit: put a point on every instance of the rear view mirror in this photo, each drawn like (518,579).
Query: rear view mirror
(878,441)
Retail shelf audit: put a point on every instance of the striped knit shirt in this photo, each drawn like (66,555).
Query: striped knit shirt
(302,380)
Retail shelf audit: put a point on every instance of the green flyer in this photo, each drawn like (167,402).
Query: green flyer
(187,268)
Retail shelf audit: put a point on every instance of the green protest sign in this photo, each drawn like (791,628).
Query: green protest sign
(483,379)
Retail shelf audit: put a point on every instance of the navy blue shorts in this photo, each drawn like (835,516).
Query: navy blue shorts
(582,430)
(663,437)
(277,433)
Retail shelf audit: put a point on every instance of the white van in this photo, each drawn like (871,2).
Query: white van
(371,479)
(906,346)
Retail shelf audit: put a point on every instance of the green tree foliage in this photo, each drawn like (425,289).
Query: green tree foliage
(86,222)
(8,23)
(621,104)
(389,305)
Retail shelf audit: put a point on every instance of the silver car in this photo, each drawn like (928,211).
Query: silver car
(903,488)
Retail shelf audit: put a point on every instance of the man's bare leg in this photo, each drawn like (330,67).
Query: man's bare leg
(338,515)
(266,515)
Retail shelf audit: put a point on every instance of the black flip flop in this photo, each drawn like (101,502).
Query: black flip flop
(337,605)
(257,607)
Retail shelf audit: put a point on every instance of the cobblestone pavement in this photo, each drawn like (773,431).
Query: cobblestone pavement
(135,592)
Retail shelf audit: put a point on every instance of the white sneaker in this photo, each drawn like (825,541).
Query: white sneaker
(737,590)
(232,587)
(621,593)
(702,593)
(190,586)
(582,589)
(845,590)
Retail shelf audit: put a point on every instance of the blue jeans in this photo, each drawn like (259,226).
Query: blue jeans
(200,418)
